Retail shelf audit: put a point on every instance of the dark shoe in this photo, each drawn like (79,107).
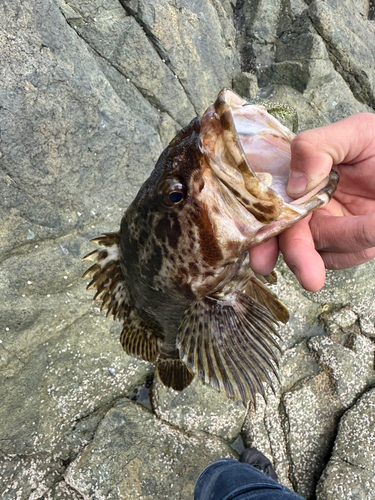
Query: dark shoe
(255,458)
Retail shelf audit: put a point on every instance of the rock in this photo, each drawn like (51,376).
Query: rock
(199,408)
(135,455)
(297,364)
(62,491)
(63,390)
(85,113)
(197,44)
(264,430)
(246,85)
(367,327)
(118,38)
(312,413)
(350,471)
(351,365)
(359,47)
(303,310)
(91,93)
(283,46)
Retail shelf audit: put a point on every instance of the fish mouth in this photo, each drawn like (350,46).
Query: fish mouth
(248,152)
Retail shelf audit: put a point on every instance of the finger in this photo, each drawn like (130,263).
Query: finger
(343,234)
(314,152)
(263,258)
(337,261)
(297,247)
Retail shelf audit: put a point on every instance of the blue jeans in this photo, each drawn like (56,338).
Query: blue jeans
(227,479)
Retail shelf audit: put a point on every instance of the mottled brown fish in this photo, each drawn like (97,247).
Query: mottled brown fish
(178,274)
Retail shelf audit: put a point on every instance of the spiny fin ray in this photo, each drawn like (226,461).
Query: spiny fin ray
(140,335)
(261,294)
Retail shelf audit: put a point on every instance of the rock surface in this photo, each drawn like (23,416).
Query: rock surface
(91,92)
(350,473)
(158,461)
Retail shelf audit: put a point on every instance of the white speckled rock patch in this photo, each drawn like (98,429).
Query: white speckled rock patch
(135,455)
(350,473)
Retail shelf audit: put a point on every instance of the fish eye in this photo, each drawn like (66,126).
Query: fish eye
(175,197)
(172,192)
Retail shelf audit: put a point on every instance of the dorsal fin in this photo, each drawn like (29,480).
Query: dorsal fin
(107,277)
(262,294)
(140,335)
(227,344)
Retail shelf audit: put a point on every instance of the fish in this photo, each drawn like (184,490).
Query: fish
(177,274)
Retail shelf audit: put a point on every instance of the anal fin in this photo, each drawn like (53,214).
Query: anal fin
(174,373)
(141,336)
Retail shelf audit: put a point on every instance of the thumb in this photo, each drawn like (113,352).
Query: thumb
(315,151)
(310,164)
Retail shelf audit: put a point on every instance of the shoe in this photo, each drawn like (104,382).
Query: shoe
(255,458)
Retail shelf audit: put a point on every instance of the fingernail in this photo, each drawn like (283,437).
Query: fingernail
(297,273)
(297,183)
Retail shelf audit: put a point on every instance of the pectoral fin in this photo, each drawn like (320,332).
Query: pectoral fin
(270,279)
(227,343)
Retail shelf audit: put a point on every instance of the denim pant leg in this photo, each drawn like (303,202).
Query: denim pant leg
(227,479)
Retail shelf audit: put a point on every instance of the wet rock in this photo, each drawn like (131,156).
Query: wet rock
(350,471)
(135,455)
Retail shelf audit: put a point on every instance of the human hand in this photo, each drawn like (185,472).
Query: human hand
(341,234)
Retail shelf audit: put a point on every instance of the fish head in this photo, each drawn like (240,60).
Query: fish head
(216,190)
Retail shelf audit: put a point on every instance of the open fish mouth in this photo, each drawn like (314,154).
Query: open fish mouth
(248,151)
